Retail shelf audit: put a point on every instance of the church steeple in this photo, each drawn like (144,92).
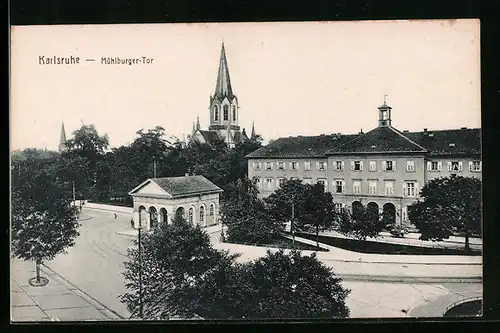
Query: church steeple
(223,86)
(224,109)
(62,138)
(253,131)
(198,127)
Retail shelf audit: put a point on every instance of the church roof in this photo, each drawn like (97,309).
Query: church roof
(223,86)
(209,136)
(301,146)
(465,141)
(384,139)
(182,186)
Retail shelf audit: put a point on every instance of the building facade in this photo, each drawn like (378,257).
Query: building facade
(158,200)
(384,169)
(224,112)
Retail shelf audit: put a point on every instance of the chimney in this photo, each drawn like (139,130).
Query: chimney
(463,128)
(425,129)
(406,131)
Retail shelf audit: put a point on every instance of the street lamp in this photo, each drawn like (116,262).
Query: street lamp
(140,268)
(292,229)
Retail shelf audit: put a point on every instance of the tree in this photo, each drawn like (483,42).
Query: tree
(361,224)
(44,223)
(291,285)
(245,216)
(177,258)
(289,199)
(319,210)
(450,205)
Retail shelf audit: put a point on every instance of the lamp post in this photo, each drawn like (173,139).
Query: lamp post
(292,229)
(140,268)
(154,166)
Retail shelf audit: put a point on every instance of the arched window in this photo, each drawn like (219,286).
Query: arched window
(226,112)
(191,215)
(234,112)
(202,215)
(212,214)
(216,113)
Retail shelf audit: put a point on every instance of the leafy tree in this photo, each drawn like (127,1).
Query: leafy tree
(361,224)
(87,143)
(289,199)
(319,210)
(43,222)
(450,205)
(174,260)
(291,285)
(245,215)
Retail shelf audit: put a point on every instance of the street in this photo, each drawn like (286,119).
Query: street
(95,265)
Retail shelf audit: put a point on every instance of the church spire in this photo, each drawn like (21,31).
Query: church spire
(62,138)
(198,123)
(223,86)
(253,130)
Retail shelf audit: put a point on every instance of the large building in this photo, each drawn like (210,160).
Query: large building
(223,112)
(382,169)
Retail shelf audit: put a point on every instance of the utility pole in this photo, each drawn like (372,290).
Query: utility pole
(74,195)
(140,269)
(154,167)
(292,229)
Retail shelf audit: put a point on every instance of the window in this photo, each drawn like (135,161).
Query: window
(258,183)
(356,166)
(372,187)
(389,188)
(339,165)
(280,181)
(234,112)
(294,165)
(434,166)
(373,165)
(321,165)
(323,183)
(405,214)
(256,165)
(281,166)
(410,166)
(269,165)
(307,181)
(475,166)
(191,215)
(226,112)
(269,184)
(356,187)
(339,186)
(455,166)
(389,165)
(338,207)
(216,113)
(307,166)
(202,214)
(410,189)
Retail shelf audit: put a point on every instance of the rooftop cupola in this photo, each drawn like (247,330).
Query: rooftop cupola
(384,114)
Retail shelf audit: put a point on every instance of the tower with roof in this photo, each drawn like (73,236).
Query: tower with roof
(62,139)
(223,111)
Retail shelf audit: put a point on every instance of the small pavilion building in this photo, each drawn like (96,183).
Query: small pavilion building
(159,200)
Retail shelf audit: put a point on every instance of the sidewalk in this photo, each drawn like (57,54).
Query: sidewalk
(56,301)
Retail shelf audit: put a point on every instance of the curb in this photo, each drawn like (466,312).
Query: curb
(411,279)
(107,312)
(109,210)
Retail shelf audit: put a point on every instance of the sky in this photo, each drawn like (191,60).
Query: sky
(304,78)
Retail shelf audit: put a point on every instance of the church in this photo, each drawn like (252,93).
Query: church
(224,112)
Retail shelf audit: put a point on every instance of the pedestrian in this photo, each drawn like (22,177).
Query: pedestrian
(115,216)
(132,223)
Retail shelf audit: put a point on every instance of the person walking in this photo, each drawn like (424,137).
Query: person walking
(115,216)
